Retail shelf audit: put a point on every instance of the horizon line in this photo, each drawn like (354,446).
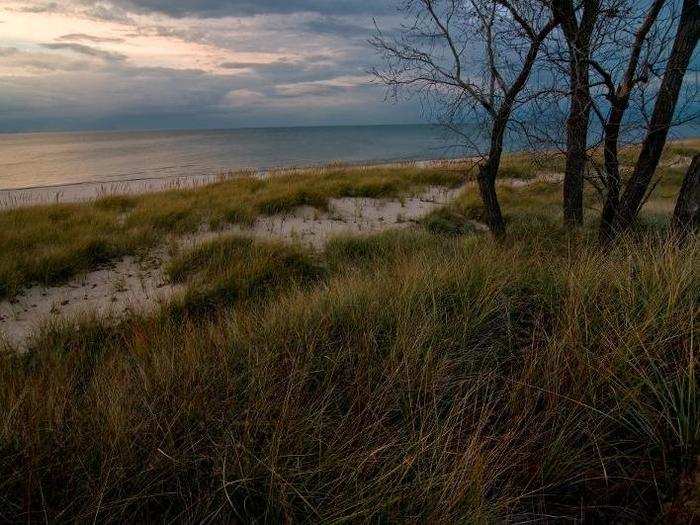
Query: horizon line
(236,128)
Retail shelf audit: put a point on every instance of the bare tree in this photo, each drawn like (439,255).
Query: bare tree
(627,55)
(683,47)
(578,38)
(618,95)
(435,57)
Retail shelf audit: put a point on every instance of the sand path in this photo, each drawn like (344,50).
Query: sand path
(139,285)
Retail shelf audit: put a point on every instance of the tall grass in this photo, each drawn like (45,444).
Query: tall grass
(401,377)
(408,376)
(50,244)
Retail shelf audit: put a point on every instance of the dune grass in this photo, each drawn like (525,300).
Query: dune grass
(400,377)
(50,244)
(538,201)
(422,375)
(230,269)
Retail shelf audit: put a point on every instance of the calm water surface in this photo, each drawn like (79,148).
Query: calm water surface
(44,159)
(49,159)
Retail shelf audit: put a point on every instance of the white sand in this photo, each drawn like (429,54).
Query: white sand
(346,216)
(127,285)
(131,285)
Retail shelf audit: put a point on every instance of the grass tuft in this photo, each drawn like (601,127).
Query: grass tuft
(416,375)
(235,268)
(401,376)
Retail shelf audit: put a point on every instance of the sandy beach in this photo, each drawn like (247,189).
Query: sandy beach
(88,191)
(139,284)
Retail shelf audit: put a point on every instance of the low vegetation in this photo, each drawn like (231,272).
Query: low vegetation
(428,375)
(50,244)
(406,376)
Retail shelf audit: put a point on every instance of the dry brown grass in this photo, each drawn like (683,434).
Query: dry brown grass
(410,376)
(398,378)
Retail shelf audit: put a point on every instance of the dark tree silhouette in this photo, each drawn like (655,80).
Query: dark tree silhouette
(578,35)
(683,47)
(686,216)
(618,96)
(434,56)
(632,56)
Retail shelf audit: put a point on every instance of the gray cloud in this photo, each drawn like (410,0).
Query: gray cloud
(82,49)
(311,69)
(49,7)
(305,90)
(108,13)
(8,51)
(121,96)
(336,26)
(73,37)
(40,63)
(322,42)
(215,8)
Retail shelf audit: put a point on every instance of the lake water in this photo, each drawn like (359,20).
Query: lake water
(33,160)
(47,159)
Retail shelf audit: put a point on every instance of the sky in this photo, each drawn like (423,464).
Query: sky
(184,64)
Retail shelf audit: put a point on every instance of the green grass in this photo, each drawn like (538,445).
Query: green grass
(234,268)
(425,375)
(685,150)
(628,154)
(518,166)
(397,377)
(50,244)
(539,201)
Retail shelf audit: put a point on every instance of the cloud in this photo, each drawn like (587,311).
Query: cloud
(82,49)
(309,69)
(244,97)
(18,63)
(73,37)
(336,26)
(8,51)
(108,13)
(220,63)
(49,7)
(309,89)
(239,8)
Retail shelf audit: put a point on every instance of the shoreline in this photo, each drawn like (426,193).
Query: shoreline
(87,191)
(76,192)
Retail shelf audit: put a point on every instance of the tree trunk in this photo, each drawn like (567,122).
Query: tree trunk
(487,189)
(612,172)
(655,140)
(488,172)
(619,98)
(578,38)
(576,144)
(686,216)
